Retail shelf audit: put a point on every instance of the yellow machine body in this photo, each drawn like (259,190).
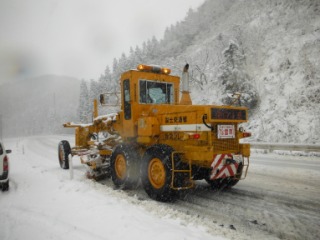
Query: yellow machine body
(152,114)
(171,123)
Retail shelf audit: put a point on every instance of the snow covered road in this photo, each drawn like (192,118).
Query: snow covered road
(278,200)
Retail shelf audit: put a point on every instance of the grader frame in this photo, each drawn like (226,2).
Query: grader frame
(165,143)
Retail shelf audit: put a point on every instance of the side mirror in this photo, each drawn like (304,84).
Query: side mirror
(110,99)
(8,151)
(102,101)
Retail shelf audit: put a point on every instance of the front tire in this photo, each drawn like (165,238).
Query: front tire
(64,150)
(156,173)
(5,186)
(124,166)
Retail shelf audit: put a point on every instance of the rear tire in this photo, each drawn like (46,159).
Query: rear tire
(233,182)
(156,173)
(124,166)
(64,150)
(218,184)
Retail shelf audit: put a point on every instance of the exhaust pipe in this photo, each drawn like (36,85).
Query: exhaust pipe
(185,97)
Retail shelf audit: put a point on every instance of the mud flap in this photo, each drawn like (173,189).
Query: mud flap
(225,165)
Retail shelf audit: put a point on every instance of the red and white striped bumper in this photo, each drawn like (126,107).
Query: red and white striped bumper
(225,165)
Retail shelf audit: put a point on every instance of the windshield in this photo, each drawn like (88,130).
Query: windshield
(155,92)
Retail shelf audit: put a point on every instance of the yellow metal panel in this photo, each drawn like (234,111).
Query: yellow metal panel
(81,135)
(144,140)
(105,152)
(185,99)
(245,149)
(148,126)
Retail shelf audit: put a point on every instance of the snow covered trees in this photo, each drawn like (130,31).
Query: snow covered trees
(262,49)
(84,105)
(233,77)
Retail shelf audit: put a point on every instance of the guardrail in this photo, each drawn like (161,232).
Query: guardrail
(286,147)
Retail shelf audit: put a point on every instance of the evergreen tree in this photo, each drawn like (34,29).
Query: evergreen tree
(234,78)
(123,64)
(94,91)
(139,57)
(105,81)
(116,72)
(84,109)
(152,49)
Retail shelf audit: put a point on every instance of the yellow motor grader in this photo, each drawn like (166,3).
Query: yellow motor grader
(160,138)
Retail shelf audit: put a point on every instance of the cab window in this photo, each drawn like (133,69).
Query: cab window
(152,92)
(127,100)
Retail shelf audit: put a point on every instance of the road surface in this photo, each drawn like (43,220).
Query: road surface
(279,199)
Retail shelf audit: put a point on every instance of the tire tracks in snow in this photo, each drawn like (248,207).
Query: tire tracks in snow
(266,205)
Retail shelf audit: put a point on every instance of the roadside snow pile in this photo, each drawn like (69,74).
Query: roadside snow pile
(43,203)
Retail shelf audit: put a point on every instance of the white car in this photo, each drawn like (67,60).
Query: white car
(4,168)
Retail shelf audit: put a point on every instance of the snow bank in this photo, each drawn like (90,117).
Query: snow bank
(43,203)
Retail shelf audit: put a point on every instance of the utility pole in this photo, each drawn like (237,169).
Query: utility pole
(54,105)
(0,126)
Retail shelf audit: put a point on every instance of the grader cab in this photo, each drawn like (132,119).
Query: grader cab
(160,139)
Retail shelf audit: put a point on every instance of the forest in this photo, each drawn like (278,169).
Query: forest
(267,50)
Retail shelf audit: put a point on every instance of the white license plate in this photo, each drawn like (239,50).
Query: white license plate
(226,131)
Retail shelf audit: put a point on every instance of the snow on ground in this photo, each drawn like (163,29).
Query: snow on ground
(43,203)
(279,199)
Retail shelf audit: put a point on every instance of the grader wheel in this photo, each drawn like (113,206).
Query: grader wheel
(125,165)
(120,166)
(156,173)
(64,150)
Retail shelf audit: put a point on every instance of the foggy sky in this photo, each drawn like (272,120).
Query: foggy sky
(78,38)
